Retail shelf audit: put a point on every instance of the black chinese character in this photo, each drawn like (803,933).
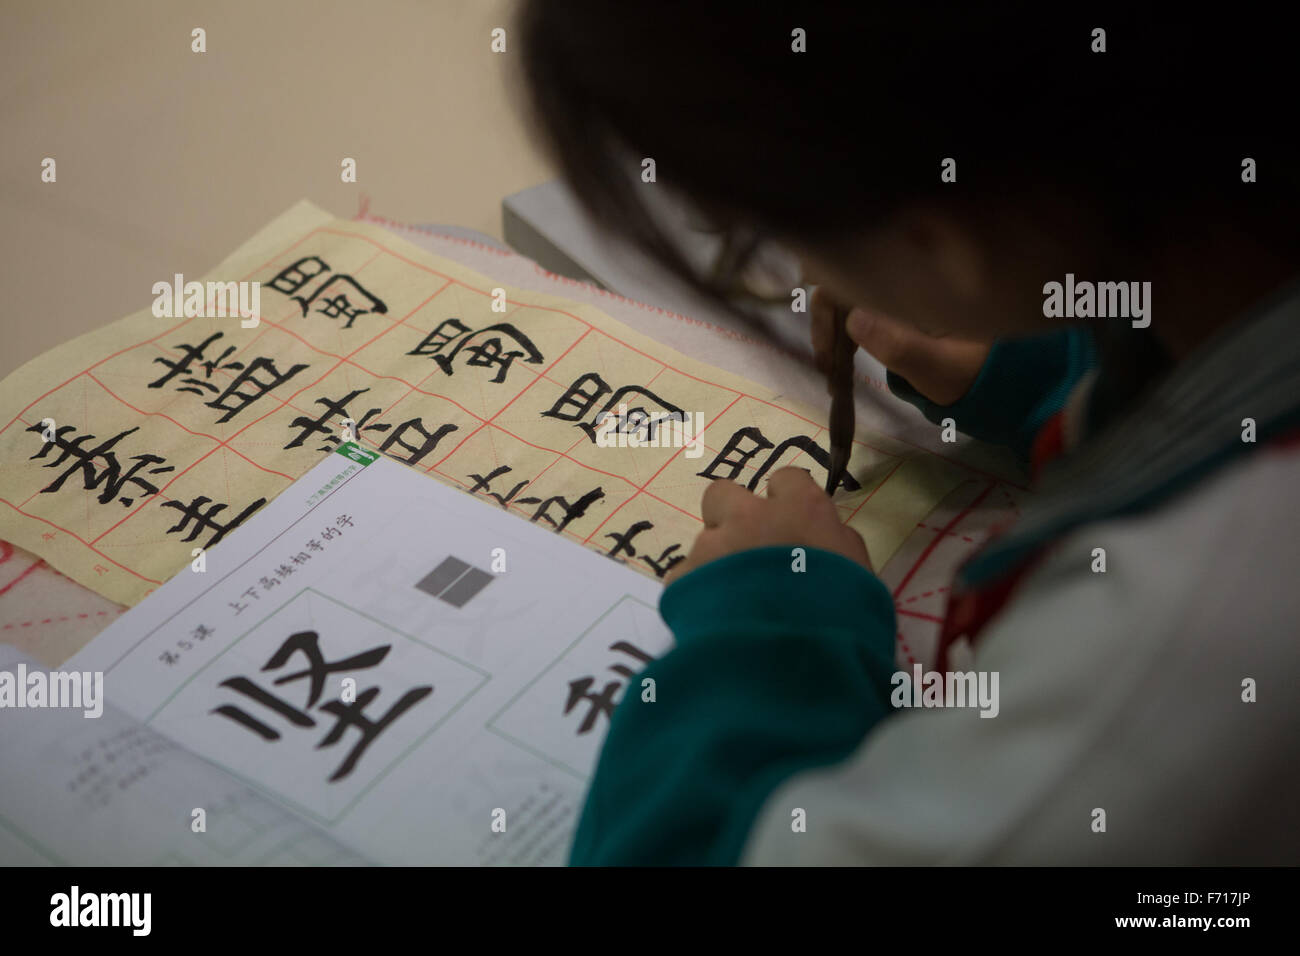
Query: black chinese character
(346,715)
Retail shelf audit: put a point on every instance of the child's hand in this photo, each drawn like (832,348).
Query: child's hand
(941,369)
(796,512)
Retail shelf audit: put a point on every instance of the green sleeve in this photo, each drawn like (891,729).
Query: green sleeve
(774,671)
(1024,382)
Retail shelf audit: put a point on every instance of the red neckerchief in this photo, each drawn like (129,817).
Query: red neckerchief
(970,610)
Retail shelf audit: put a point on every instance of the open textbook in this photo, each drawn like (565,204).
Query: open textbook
(374,668)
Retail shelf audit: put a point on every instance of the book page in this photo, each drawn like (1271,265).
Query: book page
(414,671)
(107,790)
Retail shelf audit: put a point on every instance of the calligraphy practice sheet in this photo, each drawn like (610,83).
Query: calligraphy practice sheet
(417,676)
(134,448)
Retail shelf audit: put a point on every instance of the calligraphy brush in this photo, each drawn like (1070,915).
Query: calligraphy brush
(841,388)
(727,283)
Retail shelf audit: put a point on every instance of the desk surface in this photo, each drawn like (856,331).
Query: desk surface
(168,159)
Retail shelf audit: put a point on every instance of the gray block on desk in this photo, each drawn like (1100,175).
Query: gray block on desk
(544,224)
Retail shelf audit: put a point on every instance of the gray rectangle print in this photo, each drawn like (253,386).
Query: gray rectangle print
(454,581)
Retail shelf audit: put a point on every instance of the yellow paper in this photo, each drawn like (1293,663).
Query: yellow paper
(167,432)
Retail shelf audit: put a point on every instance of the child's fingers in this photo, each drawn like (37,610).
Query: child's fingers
(941,369)
(792,482)
(707,547)
(722,499)
(822,316)
(794,490)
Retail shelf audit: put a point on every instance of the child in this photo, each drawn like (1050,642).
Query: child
(1107,203)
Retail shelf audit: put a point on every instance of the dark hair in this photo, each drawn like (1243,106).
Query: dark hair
(828,142)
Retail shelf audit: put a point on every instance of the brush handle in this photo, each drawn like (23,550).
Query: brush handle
(841,387)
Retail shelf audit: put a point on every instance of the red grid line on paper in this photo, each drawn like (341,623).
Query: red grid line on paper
(365,216)
(288,403)
(929,549)
(226,444)
(590,327)
(183,428)
(88,373)
(160,495)
(30,568)
(924,617)
(51,391)
(59,620)
(926,594)
(965,545)
(542,374)
(967,538)
(412,388)
(79,538)
(642,488)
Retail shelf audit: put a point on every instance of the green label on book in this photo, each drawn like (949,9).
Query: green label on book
(362,456)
